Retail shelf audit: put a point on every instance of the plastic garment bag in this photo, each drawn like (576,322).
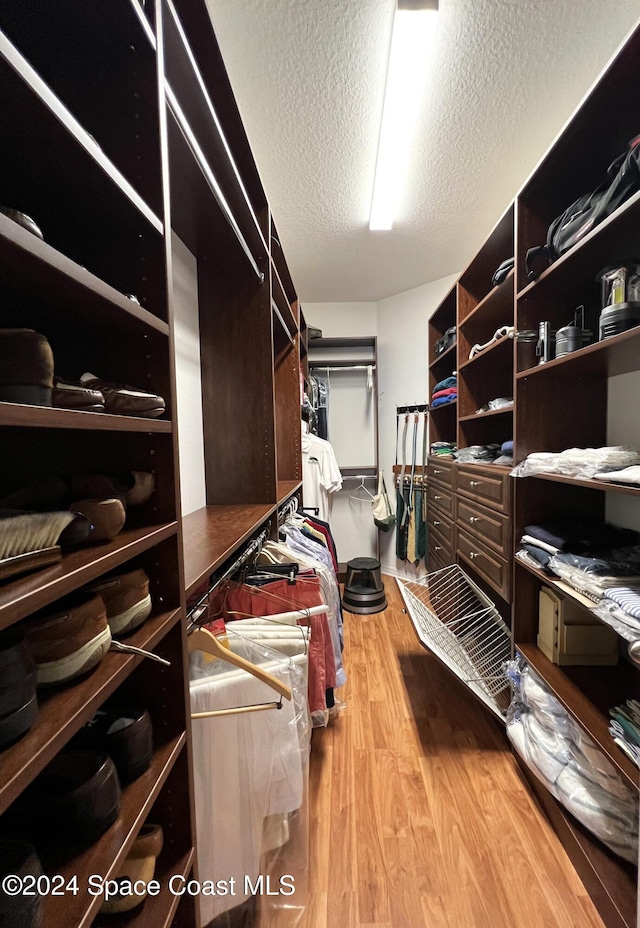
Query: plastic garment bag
(251,788)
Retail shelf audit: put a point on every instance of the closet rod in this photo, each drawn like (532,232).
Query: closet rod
(360,477)
(253,548)
(315,365)
(209,177)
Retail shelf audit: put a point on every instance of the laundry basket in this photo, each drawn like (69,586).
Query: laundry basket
(458,623)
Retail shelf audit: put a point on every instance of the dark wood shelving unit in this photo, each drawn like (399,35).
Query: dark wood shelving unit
(286,489)
(613,356)
(499,353)
(602,485)
(507,410)
(449,356)
(490,311)
(450,405)
(136,802)
(44,417)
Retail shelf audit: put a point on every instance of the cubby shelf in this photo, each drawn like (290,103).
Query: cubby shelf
(500,353)
(449,355)
(494,308)
(109,851)
(50,417)
(24,595)
(437,409)
(601,485)
(608,358)
(62,711)
(506,410)
(573,698)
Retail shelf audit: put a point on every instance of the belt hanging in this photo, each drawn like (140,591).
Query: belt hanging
(403,470)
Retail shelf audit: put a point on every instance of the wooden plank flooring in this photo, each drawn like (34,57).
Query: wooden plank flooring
(419,814)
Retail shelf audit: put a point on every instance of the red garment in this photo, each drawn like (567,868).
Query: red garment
(448,392)
(281,596)
(324,530)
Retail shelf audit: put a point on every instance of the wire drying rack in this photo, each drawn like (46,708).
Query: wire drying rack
(456,621)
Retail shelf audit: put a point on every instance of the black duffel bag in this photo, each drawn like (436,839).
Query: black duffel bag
(621,182)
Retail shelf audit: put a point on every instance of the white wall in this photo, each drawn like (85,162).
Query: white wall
(343,320)
(188,377)
(402,381)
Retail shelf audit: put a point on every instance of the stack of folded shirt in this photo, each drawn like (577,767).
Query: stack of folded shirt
(569,763)
(626,475)
(443,449)
(579,462)
(500,402)
(446,391)
(625,728)
(620,606)
(478,454)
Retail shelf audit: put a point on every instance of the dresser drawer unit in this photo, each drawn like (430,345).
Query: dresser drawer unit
(492,528)
(491,488)
(439,498)
(489,565)
(440,472)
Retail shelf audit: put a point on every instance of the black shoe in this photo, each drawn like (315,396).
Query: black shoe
(126,736)
(18,703)
(19,859)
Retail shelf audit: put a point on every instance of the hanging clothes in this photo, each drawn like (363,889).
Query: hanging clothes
(323,404)
(401,501)
(321,476)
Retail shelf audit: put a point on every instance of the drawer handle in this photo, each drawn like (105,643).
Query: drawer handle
(473,554)
(437,497)
(475,483)
(437,522)
(436,471)
(473,519)
(437,547)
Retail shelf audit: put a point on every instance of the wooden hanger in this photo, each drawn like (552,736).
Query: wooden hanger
(203,640)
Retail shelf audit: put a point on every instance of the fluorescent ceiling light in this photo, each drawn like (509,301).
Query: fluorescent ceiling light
(411,43)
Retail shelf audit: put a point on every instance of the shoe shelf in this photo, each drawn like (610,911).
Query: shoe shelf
(21,597)
(50,417)
(105,856)
(31,267)
(156,911)
(62,711)
(78,150)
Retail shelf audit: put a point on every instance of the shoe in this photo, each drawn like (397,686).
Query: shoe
(68,394)
(70,640)
(134,489)
(26,367)
(45,493)
(17,858)
(23,220)
(139,864)
(77,795)
(18,702)
(127,599)
(122,400)
(126,736)
(107,517)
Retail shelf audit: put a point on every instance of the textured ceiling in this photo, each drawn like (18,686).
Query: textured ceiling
(308,76)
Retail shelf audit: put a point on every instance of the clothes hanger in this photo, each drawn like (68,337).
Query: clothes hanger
(361,486)
(203,640)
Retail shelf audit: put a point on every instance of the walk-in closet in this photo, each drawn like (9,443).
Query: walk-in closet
(319,519)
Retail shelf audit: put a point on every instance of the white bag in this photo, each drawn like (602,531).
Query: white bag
(383,514)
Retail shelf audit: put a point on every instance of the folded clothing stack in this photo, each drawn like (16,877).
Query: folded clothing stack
(620,605)
(506,453)
(580,462)
(446,391)
(625,728)
(569,764)
(444,449)
(478,454)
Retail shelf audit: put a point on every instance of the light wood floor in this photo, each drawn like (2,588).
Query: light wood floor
(419,815)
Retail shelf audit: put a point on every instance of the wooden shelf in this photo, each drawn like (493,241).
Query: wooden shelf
(610,881)
(594,251)
(287,488)
(448,355)
(485,415)
(156,911)
(29,266)
(589,716)
(282,302)
(496,352)
(50,417)
(106,855)
(213,533)
(63,711)
(494,308)
(74,146)
(451,405)
(30,592)
(608,358)
(602,485)
(365,342)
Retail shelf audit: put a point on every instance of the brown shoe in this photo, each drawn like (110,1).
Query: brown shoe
(106,515)
(70,395)
(26,367)
(127,600)
(70,639)
(122,400)
(134,489)
(138,865)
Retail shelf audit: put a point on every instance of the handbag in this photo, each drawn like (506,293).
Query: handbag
(383,515)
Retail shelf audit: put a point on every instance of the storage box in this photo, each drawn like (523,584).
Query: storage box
(569,634)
